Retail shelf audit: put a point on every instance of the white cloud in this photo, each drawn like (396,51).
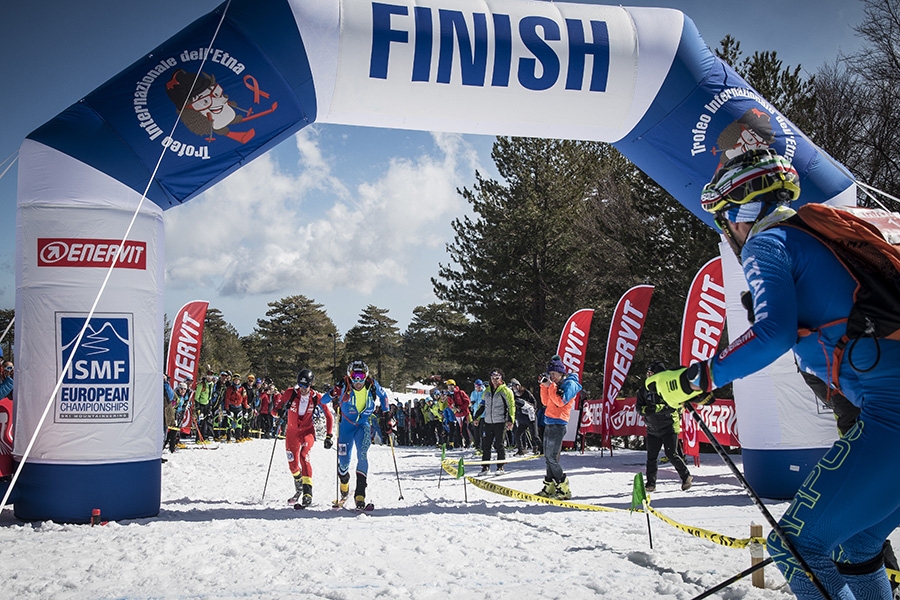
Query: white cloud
(254,233)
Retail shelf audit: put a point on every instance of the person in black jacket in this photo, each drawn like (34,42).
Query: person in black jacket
(663,425)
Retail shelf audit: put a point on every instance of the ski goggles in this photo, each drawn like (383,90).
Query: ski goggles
(358,376)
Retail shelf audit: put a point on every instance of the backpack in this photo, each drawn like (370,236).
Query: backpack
(867,242)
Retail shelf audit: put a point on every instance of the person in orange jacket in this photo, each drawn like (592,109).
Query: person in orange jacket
(558,391)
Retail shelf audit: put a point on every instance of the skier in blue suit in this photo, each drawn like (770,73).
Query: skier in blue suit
(847,506)
(357,396)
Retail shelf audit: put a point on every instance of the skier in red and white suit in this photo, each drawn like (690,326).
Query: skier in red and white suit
(301,402)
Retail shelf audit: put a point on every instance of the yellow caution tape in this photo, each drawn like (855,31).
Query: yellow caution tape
(718,538)
(490,486)
(498,462)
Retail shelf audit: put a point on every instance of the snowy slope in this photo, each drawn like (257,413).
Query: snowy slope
(216,538)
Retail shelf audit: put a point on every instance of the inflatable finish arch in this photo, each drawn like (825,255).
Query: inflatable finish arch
(640,78)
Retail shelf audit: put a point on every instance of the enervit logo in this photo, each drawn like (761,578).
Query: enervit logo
(75,252)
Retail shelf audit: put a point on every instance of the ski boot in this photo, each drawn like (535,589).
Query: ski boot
(650,487)
(687,483)
(562,490)
(360,495)
(344,488)
(307,493)
(549,489)
(298,487)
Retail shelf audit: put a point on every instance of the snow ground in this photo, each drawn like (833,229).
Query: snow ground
(216,538)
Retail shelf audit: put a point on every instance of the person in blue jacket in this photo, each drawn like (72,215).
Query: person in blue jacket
(356,395)
(841,515)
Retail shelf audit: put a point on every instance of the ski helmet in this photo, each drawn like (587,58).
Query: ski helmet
(305,378)
(357,366)
(749,178)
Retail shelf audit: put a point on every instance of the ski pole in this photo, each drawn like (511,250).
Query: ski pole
(396,470)
(758,501)
(266,484)
(337,453)
(732,579)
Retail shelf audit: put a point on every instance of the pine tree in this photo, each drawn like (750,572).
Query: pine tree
(375,339)
(431,344)
(221,347)
(294,336)
(516,262)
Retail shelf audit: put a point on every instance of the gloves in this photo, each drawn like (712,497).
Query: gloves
(335,391)
(677,386)
(328,443)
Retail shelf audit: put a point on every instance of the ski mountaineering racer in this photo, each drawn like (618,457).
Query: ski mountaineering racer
(844,510)
(356,395)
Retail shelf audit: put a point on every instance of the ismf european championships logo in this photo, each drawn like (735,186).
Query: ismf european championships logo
(97,384)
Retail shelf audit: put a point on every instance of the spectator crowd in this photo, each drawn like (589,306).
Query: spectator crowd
(228,407)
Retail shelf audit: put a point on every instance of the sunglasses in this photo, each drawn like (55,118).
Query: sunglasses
(495,376)
(8,368)
(303,385)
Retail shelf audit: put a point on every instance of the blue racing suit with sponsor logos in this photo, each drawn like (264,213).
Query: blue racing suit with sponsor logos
(355,428)
(846,508)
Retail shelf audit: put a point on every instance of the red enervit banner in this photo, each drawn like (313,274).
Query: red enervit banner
(701,330)
(185,342)
(572,349)
(77,252)
(720,417)
(704,314)
(624,335)
(574,340)
(624,419)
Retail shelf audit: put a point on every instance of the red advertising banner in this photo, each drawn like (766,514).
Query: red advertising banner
(574,340)
(701,330)
(624,335)
(572,349)
(721,418)
(77,252)
(185,341)
(704,314)
(625,420)
(591,418)
(6,437)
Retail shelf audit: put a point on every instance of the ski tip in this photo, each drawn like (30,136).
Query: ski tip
(299,506)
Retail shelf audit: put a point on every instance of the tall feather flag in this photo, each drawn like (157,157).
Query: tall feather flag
(624,335)
(572,349)
(185,342)
(184,351)
(574,340)
(701,330)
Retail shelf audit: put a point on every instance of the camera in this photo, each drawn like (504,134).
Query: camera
(544,378)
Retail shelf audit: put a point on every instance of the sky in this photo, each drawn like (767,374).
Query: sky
(238,252)
(225,532)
